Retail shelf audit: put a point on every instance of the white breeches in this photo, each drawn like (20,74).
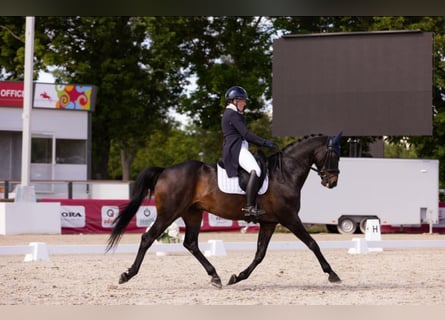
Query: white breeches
(247,161)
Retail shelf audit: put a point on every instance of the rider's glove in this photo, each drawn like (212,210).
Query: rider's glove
(269,144)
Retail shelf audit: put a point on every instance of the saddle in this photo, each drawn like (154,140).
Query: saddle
(237,185)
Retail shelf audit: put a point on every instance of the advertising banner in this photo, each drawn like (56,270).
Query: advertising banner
(64,96)
(97,216)
(11,94)
(73,216)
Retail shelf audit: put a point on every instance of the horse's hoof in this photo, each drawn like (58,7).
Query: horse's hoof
(233,279)
(216,282)
(123,278)
(334,278)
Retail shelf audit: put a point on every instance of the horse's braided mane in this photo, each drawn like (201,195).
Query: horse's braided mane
(304,138)
(275,159)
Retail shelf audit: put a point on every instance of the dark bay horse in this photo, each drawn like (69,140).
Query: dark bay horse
(187,189)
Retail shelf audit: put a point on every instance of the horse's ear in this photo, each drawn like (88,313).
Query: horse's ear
(337,137)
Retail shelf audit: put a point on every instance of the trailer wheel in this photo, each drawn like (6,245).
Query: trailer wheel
(346,226)
(363,224)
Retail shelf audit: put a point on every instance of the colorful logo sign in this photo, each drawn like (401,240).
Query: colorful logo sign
(67,97)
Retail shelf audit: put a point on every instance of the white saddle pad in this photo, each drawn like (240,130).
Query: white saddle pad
(231,185)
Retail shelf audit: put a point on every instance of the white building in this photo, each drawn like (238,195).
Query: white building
(60,130)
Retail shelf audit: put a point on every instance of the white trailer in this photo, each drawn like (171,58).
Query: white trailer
(401,192)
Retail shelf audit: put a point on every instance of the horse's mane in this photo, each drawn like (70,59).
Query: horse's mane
(301,140)
(275,159)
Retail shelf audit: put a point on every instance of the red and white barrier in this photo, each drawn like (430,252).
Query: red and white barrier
(97,216)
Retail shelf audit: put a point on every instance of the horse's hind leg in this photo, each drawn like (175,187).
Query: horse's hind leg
(147,240)
(193,226)
(297,228)
(264,236)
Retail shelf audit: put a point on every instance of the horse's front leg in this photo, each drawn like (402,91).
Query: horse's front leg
(264,236)
(297,228)
(191,244)
(147,240)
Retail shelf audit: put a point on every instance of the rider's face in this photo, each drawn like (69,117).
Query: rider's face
(241,104)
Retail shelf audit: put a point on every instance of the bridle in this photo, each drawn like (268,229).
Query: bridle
(333,148)
(328,167)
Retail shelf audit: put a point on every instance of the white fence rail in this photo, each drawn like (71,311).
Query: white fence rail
(41,251)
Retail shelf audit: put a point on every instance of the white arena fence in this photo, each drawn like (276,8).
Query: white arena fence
(41,251)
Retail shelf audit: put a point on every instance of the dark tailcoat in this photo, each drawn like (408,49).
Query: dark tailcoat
(235,131)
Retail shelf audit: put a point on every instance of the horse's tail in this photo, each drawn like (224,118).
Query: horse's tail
(145,183)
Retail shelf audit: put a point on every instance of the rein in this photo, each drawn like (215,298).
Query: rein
(279,165)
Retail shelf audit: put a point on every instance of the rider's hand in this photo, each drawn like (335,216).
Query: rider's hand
(269,144)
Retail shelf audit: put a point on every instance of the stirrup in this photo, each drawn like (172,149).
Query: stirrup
(252,211)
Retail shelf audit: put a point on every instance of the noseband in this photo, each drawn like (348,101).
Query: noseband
(328,165)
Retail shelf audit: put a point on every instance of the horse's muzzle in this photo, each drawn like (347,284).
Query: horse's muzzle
(329,181)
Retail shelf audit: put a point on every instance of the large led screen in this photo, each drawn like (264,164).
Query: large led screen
(364,83)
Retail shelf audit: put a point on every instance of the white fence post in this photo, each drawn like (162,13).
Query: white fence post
(39,252)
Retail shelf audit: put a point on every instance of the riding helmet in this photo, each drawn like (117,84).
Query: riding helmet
(236,92)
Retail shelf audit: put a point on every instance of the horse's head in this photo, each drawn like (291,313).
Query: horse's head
(327,158)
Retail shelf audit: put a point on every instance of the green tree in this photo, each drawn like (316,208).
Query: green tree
(399,149)
(12,44)
(218,52)
(233,51)
(135,77)
(222,52)
(177,146)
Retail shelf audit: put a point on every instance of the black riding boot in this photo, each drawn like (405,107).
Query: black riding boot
(252,188)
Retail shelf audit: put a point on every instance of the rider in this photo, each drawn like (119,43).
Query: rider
(236,148)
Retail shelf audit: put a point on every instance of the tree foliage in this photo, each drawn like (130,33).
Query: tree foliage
(12,44)
(227,51)
(134,77)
